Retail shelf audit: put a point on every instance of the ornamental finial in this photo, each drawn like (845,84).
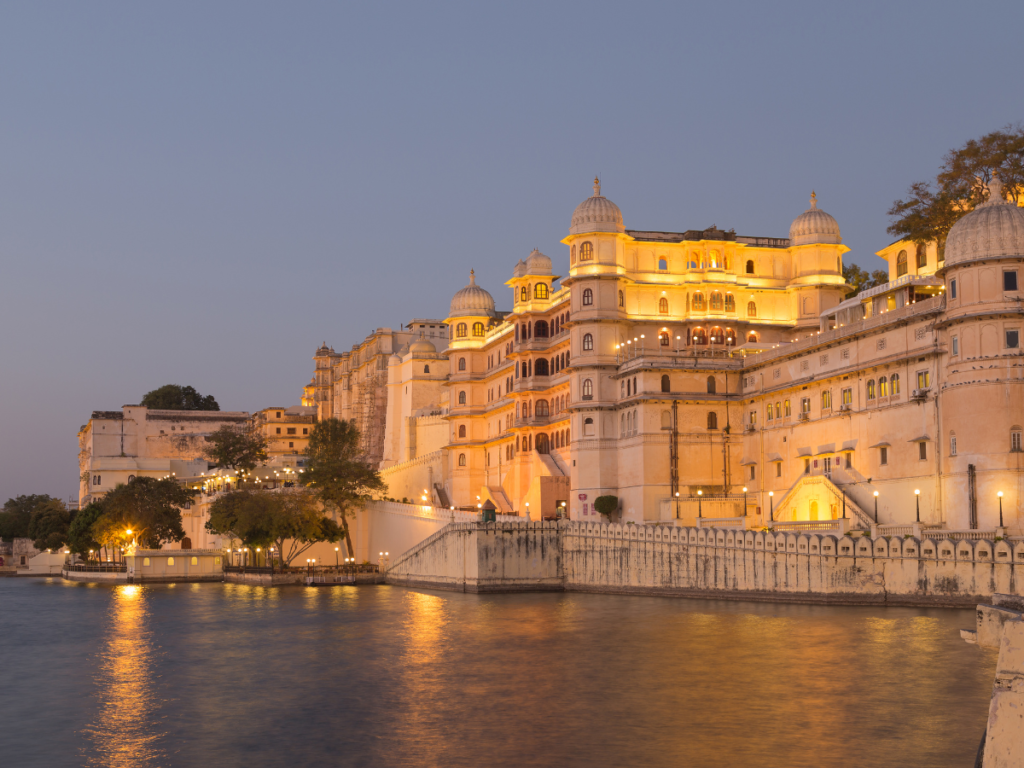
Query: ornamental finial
(995,189)
(597,187)
(814,200)
(472,277)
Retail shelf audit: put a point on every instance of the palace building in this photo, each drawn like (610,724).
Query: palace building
(705,373)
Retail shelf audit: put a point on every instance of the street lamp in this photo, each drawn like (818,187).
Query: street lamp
(771,506)
(744,501)
(335,557)
(699,494)
(1000,495)
(917,497)
(876,507)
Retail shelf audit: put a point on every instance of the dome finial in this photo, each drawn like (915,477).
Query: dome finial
(597,187)
(472,277)
(814,199)
(995,189)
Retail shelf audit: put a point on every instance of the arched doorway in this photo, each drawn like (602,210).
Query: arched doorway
(813,511)
(543,443)
(186,543)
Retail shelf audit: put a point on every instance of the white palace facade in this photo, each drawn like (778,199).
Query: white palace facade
(705,373)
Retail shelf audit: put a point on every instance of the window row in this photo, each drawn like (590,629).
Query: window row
(541,329)
(540,291)
(462,330)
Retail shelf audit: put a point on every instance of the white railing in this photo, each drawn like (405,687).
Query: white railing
(721,522)
(938,533)
(839,526)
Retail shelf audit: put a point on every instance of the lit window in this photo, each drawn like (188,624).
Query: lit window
(460,331)
(923,379)
(871,389)
(826,399)
(717,302)
(170,561)
(805,405)
(478,329)
(663,305)
(145,561)
(847,396)
(540,291)
(730,303)
(894,384)
(195,561)
(664,338)
(699,304)
(769,413)
(789,411)
(586,252)
(751,309)
(901,264)
(883,387)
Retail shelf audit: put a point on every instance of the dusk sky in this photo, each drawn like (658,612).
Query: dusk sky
(202,193)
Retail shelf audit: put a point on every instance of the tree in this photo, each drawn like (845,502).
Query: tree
(293,521)
(150,508)
(238,449)
(606,505)
(861,279)
(174,397)
(17,515)
(338,476)
(48,527)
(80,534)
(930,210)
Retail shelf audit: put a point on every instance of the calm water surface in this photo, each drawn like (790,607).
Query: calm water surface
(221,674)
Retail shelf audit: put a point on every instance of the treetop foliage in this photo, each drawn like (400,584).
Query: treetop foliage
(932,208)
(861,279)
(17,515)
(174,397)
(149,507)
(237,448)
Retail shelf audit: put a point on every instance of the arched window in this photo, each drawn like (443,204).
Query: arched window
(752,337)
(730,337)
(769,412)
(478,329)
(460,331)
(894,384)
(572,255)
(871,389)
(462,459)
(730,303)
(462,363)
(699,304)
(588,389)
(541,408)
(586,252)
(712,385)
(699,336)
(952,443)
(789,411)
(588,342)
(462,398)
(524,294)
(883,387)
(426,369)
(666,419)
(712,420)
(663,305)
(751,309)
(540,291)
(588,297)
(717,335)
(540,368)
(540,329)
(901,264)
(664,338)
(716,302)
(462,430)
(713,261)
(666,383)
(750,266)
(622,299)
(662,264)
(543,443)
(922,256)
(588,427)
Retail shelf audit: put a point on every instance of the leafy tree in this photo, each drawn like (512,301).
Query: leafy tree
(861,279)
(293,521)
(150,508)
(238,449)
(17,515)
(48,527)
(930,210)
(606,505)
(80,534)
(335,471)
(174,397)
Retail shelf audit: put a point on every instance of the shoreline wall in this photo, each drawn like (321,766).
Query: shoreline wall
(712,563)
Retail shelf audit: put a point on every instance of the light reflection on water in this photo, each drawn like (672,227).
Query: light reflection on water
(231,674)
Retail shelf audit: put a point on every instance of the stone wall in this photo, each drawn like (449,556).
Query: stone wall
(720,563)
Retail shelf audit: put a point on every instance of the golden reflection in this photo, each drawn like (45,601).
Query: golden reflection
(428,615)
(123,733)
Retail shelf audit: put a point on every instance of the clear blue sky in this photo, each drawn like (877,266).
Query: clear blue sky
(202,192)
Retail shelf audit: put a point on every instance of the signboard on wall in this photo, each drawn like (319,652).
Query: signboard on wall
(583,497)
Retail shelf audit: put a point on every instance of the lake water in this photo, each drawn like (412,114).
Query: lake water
(232,675)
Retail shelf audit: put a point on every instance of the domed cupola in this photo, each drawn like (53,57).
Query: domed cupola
(422,347)
(993,229)
(596,214)
(472,301)
(814,226)
(537,263)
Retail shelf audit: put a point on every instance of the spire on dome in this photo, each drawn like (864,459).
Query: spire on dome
(597,187)
(472,277)
(995,189)
(814,199)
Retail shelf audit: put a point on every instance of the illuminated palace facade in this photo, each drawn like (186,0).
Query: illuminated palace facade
(695,373)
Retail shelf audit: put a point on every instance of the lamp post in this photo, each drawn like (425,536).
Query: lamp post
(917,497)
(771,506)
(876,507)
(699,494)
(1000,495)
(335,557)
(744,501)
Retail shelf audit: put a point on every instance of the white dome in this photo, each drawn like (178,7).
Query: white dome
(995,228)
(537,263)
(422,346)
(814,226)
(471,301)
(596,214)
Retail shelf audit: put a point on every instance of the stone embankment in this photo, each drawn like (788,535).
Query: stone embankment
(710,562)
